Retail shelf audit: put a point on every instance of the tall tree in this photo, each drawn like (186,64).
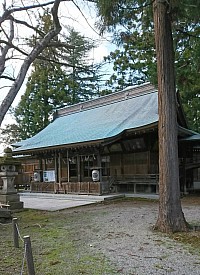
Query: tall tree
(45,91)
(134,59)
(165,13)
(170,218)
(136,54)
(84,76)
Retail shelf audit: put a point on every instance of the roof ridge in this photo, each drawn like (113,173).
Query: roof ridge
(125,94)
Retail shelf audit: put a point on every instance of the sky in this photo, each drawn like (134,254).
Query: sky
(82,20)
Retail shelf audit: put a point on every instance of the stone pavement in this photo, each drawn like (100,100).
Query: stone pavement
(54,202)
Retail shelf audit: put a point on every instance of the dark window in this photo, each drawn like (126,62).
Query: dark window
(73,167)
(105,164)
(87,165)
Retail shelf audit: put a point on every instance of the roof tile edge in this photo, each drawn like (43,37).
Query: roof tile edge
(128,92)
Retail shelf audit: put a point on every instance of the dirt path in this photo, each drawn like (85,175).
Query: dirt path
(122,231)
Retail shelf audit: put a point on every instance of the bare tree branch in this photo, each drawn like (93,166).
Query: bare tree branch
(29,26)
(5,50)
(51,44)
(11,45)
(39,47)
(7,77)
(7,12)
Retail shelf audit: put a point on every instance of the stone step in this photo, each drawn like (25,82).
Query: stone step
(71,196)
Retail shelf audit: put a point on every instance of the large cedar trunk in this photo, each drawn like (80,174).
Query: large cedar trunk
(171,217)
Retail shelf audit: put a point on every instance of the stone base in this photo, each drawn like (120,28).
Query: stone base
(5,213)
(16,205)
(12,199)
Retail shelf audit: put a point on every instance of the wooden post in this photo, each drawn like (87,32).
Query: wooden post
(99,166)
(40,164)
(56,167)
(79,168)
(68,166)
(59,168)
(29,255)
(100,172)
(15,233)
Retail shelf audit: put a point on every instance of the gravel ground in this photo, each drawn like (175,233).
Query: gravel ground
(123,232)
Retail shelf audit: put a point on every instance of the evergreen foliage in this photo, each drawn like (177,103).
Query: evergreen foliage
(132,24)
(10,134)
(83,76)
(45,91)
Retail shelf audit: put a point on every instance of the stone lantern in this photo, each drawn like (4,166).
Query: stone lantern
(8,171)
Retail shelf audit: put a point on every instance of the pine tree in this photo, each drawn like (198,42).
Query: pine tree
(83,76)
(45,91)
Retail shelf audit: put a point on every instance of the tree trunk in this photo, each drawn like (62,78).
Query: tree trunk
(171,217)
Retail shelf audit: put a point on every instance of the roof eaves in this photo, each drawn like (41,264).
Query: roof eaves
(186,132)
(56,147)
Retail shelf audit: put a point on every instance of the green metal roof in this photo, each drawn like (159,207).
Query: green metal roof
(98,122)
(194,138)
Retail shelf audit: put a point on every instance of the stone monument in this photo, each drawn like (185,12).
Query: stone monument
(8,170)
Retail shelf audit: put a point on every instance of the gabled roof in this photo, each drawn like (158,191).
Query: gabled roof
(98,119)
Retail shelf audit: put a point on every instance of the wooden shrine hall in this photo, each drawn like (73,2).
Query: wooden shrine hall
(108,144)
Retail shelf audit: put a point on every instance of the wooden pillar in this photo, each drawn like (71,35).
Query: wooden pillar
(99,166)
(59,168)
(56,167)
(40,164)
(149,162)
(41,168)
(122,164)
(79,168)
(100,172)
(184,178)
(45,164)
(183,174)
(134,188)
(157,186)
(68,176)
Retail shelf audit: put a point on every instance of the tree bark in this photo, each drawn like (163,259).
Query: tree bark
(170,217)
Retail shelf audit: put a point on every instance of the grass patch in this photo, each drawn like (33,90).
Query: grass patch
(191,240)
(62,243)
(55,247)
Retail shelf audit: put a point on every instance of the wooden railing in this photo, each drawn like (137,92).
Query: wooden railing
(141,178)
(131,181)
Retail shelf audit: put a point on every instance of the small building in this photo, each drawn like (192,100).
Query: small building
(108,144)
